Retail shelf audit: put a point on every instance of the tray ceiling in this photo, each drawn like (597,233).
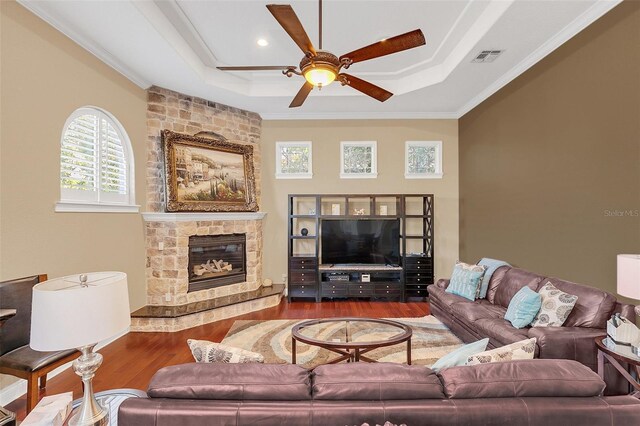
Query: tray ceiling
(177,44)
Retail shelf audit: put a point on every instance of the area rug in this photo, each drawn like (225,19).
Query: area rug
(431,340)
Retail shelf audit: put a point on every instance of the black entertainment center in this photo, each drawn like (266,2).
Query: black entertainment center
(377,246)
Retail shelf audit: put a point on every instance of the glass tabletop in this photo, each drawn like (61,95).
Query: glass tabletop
(622,350)
(352,331)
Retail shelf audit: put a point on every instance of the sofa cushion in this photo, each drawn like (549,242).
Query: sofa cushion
(500,330)
(523,307)
(279,382)
(205,351)
(495,281)
(465,280)
(593,307)
(525,378)
(555,308)
(374,382)
(524,349)
(512,282)
(460,355)
(474,311)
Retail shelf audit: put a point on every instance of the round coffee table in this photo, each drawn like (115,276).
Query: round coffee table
(615,354)
(348,337)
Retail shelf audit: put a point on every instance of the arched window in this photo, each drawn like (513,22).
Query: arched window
(96,164)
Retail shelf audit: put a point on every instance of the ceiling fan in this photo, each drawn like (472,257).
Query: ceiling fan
(320,67)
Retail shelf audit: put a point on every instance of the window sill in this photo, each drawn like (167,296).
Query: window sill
(71,207)
(358,175)
(425,176)
(294,175)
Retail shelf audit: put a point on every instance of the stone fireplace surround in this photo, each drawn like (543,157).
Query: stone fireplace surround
(167,234)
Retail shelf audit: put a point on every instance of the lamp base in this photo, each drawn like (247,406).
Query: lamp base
(90,412)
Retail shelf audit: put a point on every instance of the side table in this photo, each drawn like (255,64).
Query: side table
(7,418)
(111,400)
(609,350)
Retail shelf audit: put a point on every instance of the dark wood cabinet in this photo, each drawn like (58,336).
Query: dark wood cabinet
(308,278)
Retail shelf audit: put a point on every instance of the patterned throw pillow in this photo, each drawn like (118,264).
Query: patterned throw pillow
(204,351)
(465,280)
(523,349)
(556,307)
(523,307)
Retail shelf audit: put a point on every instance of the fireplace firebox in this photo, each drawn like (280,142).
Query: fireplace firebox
(216,260)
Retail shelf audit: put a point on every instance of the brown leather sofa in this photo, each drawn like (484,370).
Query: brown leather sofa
(482,318)
(531,392)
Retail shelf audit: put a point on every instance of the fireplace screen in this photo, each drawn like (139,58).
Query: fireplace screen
(216,260)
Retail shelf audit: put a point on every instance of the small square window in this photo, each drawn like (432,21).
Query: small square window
(423,160)
(358,160)
(294,160)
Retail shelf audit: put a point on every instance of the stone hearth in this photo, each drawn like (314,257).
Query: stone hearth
(167,275)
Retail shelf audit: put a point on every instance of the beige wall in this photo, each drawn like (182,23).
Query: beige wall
(390,136)
(44,78)
(547,161)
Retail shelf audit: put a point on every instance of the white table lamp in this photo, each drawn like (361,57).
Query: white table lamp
(79,311)
(629,277)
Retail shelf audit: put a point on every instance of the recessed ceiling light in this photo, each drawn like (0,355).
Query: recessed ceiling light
(262,42)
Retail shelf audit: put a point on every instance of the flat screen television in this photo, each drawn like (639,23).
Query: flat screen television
(360,241)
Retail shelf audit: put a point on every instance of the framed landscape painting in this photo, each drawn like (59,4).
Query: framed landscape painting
(208,175)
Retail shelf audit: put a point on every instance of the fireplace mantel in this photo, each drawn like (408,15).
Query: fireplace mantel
(201,216)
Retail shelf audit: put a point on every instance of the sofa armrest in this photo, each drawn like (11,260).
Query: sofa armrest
(443,283)
(576,343)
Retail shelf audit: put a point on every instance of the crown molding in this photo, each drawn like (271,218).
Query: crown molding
(267,116)
(86,43)
(580,23)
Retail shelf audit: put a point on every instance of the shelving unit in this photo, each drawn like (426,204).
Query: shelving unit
(308,278)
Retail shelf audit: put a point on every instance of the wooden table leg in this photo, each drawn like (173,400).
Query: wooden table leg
(293,350)
(601,365)
(409,351)
(357,355)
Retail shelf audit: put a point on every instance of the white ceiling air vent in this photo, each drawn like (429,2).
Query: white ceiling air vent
(487,56)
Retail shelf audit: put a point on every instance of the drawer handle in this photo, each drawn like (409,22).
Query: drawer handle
(303,274)
(418,274)
(301,279)
(302,267)
(333,286)
(387,286)
(418,279)
(418,267)
(360,287)
(302,286)
(333,292)
(387,291)
(361,292)
(302,292)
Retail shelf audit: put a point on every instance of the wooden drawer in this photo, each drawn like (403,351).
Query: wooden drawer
(296,291)
(334,286)
(303,277)
(416,293)
(417,261)
(356,291)
(389,293)
(304,263)
(424,279)
(335,293)
(388,286)
(362,286)
(416,286)
(311,286)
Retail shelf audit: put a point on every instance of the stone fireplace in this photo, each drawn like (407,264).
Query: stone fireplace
(193,259)
(216,260)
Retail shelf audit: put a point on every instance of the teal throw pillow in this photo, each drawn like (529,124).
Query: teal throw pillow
(460,355)
(523,308)
(465,280)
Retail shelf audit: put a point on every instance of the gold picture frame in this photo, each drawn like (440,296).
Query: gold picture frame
(208,175)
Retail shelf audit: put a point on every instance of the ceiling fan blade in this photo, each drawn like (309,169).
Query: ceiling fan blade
(365,87)
(286,17)
(256,68)
(302,95)
(391,45)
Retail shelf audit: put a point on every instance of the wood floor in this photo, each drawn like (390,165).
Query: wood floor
(131,361)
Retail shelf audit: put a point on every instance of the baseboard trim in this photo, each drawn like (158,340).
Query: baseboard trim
(17,389)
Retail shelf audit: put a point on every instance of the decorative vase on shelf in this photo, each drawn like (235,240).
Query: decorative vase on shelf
(304,232)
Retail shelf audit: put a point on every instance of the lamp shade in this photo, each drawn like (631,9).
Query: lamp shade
(629,275)
(67,315)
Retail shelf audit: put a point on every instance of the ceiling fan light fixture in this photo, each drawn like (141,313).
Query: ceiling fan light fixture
(320,75)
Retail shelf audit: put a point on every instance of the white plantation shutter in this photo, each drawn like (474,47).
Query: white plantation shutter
(96,163)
